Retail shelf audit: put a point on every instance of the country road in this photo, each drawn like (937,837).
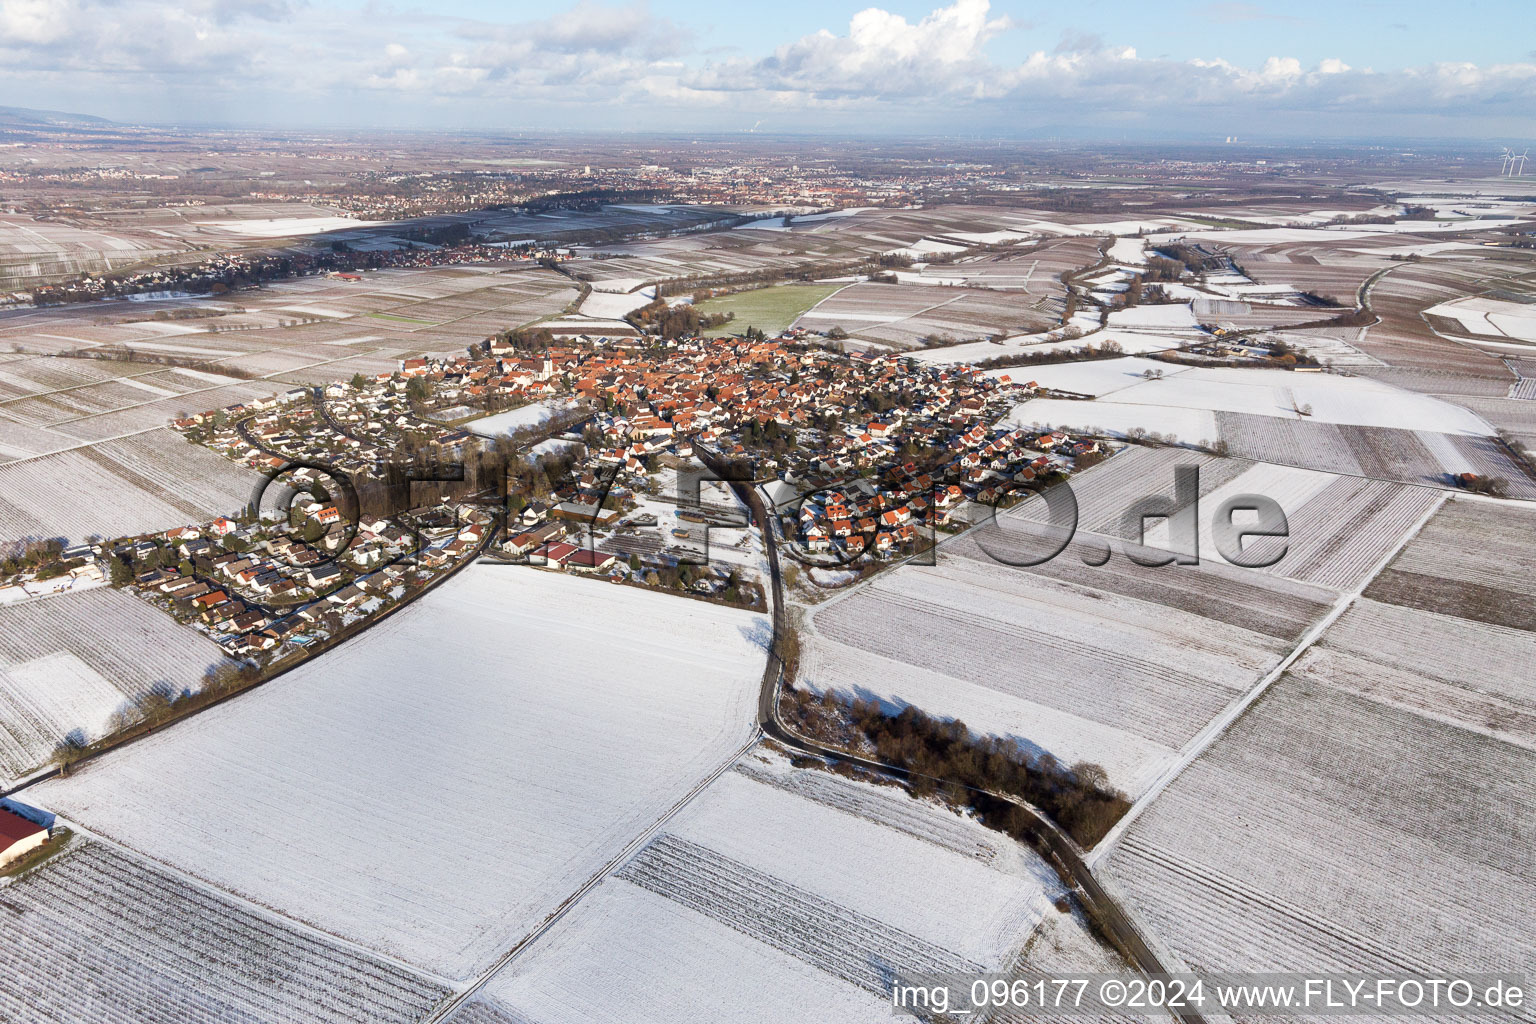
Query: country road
(1059,848)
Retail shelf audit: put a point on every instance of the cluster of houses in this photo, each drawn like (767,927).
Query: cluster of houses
(357,426)
(882,515)
(883,445)
(77,568)
(252,588)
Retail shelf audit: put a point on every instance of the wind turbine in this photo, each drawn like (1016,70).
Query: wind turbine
(1504,168)
(1512,158)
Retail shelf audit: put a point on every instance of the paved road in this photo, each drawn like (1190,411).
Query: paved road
(1059,848)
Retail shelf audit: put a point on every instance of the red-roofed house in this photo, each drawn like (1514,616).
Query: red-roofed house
(18,836)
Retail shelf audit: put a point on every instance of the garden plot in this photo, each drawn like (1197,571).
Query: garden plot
(158,412)
(68,662)
(1471,561)
(1347,527)
(1119,665)
(784,894)
(1472,542)
(1387,760)
(904,315)
(1418,661)
(474,759)
(101,937)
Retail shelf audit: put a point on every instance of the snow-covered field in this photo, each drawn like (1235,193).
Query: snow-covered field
(1129,250)
(152,480)
(434,788)
(1117,418)
(277,227)
(503,423)
(1133,342)
(1173,316)
(1396,756)
(1491,317)
(1118,665)
(68,662)
(611,305)
(1329,398)
(1307,870)
(784,894)
(1096,377)
(101,937)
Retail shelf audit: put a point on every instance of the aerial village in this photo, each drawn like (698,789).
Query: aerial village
(865,458)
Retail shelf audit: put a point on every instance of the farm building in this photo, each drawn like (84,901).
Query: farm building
(18,836)
(583,512)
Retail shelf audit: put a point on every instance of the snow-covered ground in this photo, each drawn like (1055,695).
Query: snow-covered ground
(277,227)
(783,894)
(626,953)
(1331,398)
(1493,317)
(991,237)
(612,305)
(503,423)
(437,786)
(68,662)
(552,446)
(1050,341)
(927,247)
(1168,317)
(1117,418)
(1089,377)
(1128,250)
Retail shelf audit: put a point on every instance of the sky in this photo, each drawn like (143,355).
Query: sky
(1189,69)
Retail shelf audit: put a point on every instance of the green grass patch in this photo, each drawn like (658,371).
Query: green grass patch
(770,309)
(402,319)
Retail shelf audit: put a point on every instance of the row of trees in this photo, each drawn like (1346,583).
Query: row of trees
(946,759)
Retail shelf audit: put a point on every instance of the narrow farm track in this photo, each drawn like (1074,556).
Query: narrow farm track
(1058,847)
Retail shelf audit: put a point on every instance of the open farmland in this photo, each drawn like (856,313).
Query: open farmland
(1290,844)
(1387,760)
(464,794)
(69,661)
(289,330)
(152,480)
(98,936)
(1473,560)
(783,894)
(1119,665)
(903,315)
(34,252)
(1337,424)
(768,309)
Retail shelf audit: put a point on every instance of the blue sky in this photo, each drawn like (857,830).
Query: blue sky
(1184,67)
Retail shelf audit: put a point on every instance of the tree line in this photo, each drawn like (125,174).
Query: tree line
(946,759)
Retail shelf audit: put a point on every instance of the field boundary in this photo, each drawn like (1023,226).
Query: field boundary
(1214,729)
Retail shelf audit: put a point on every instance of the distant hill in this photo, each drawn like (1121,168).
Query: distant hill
(24,117)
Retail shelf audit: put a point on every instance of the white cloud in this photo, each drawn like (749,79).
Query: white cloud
(604,59)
